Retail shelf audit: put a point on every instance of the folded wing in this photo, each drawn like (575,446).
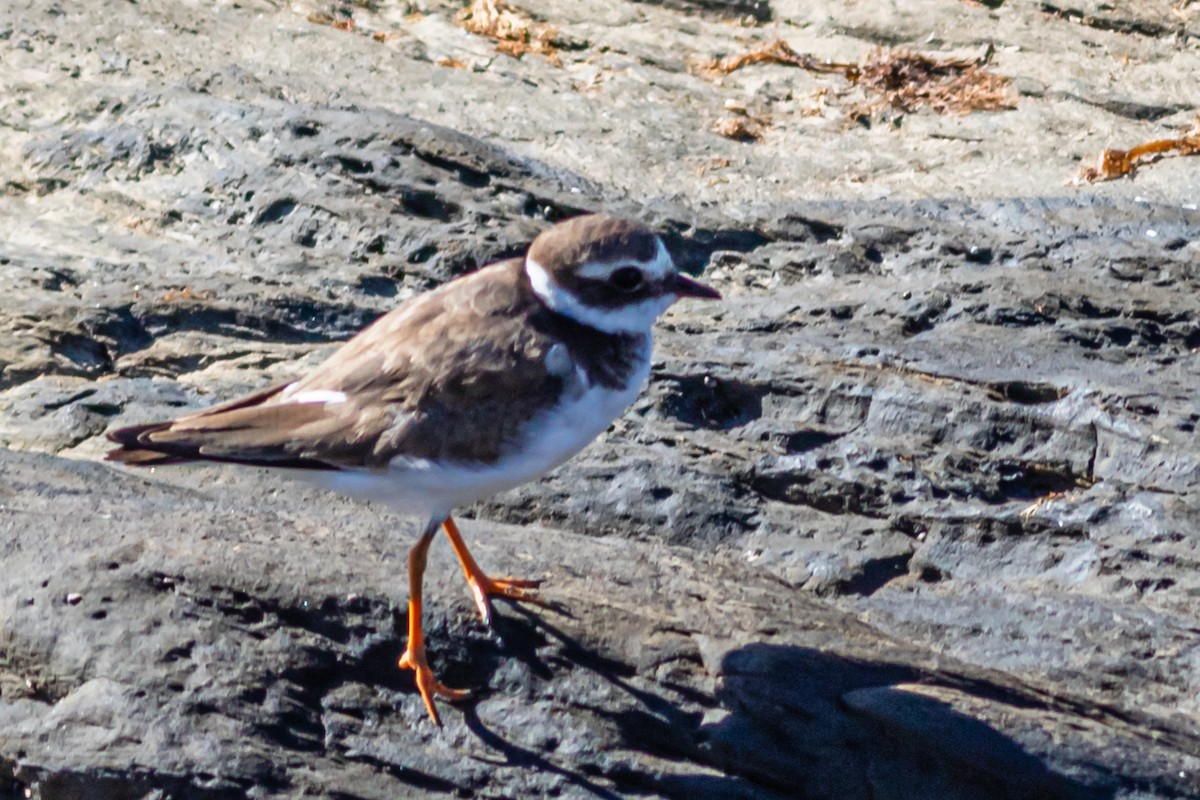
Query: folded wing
(449,375)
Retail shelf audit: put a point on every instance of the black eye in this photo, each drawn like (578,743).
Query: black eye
(626,278)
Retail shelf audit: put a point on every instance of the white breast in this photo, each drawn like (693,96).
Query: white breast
(563,431)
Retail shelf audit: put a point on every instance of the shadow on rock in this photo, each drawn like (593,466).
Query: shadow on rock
(786,722)
(818,725)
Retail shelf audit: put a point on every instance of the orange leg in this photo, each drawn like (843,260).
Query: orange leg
(414,654)
(483,587)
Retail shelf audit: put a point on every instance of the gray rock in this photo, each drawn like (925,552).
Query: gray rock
(218,653)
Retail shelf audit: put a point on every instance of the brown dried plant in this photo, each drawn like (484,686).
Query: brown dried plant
(740,128)
(907,80)
(340,21)
(902,79)
(1114,164)
(514,30)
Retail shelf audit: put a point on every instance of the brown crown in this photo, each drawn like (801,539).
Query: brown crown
(593,238)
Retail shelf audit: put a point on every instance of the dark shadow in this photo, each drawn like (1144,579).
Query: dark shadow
(875,574)
(821,725)
(800,723)
(706,401)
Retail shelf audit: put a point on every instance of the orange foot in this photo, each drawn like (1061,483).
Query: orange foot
(484,588)
(414,653)
(427,685)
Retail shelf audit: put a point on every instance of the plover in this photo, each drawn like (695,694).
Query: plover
(482,384)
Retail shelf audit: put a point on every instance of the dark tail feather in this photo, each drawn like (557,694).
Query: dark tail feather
(138,452)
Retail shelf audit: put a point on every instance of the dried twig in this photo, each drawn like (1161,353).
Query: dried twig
(185,294)
(776,52)
(1114,164)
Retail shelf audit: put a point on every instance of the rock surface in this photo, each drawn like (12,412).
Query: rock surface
(914,513)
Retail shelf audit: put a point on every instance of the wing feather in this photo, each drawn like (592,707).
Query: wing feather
(455,373)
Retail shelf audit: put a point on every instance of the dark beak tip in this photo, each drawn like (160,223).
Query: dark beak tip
(689,287)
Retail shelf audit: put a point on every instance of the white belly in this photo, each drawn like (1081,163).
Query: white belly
(426,488)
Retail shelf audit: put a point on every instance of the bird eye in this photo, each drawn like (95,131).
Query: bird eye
(626,278)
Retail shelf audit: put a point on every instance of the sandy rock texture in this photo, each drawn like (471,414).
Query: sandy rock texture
(912,513)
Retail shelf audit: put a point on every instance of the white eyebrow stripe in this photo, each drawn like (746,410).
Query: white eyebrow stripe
(318,396)
(655,269)
(600,270)
(637,319)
